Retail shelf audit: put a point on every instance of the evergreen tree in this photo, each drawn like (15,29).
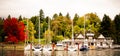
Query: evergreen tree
(55,16)
(20,18)
(46,19)
(60,14)
(9,17)
(76,17)
(106,26)
(1,30)
(35,21)
(68,16)
(117,28)
(41,14)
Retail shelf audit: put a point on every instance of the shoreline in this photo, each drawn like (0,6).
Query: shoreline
(21,46)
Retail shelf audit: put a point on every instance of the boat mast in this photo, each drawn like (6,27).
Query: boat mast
(84,25)
(49,28)
(27,32)
(39,29)
(72,34)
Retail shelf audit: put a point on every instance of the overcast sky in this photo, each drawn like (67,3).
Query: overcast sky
(29,8)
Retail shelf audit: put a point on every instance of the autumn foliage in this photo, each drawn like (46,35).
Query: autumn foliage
(14,30)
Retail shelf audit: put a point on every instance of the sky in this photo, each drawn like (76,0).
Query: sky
(29,8)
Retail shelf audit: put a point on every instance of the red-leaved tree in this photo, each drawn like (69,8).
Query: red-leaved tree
(14,30)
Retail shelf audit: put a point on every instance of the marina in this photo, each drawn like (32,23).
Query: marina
(100,52)
(59,28)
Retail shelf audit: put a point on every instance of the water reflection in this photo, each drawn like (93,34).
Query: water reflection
(106,52)
(103,52)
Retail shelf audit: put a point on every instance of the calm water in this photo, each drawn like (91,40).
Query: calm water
(104,52)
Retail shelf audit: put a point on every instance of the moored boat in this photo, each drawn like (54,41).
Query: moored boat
(84,48)
(28,47)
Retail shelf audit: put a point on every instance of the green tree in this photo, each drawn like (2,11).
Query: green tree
(90,22)
(60,14)
(48,35)
(106,26)
(94,23)
(113,32)
(77,29)
(2,34)
(57,38)
(31,30)
(35,21)
(76,17)
(41,14)
(68,16)
(55,16)
(80,23)
(117,28)
(9,17)
(47,19)
(20,18)
(59,25)
(44,25)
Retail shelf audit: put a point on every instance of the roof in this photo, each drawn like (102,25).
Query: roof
(80,36)
(101,36)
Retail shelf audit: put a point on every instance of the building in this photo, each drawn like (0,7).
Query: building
(100,42)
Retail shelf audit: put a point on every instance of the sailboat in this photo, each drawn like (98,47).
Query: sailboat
(72,47)
(84,47)
(38,47)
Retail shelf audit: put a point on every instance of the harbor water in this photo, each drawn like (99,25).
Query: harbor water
(100,52)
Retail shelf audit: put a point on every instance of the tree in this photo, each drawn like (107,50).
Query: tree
(90,22)
(14,30)
(80,22)
(94,23)
(20,18)
(60,14)
(47,19)
(41,14)
(9,17)
(59,25)
(106,26)
(35,21)
(55,16)
(116,22)
(2,34)
(68,16)
(29,30)
(48,35)
(43,28)
(77,29)
(55,39)
(76,17)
